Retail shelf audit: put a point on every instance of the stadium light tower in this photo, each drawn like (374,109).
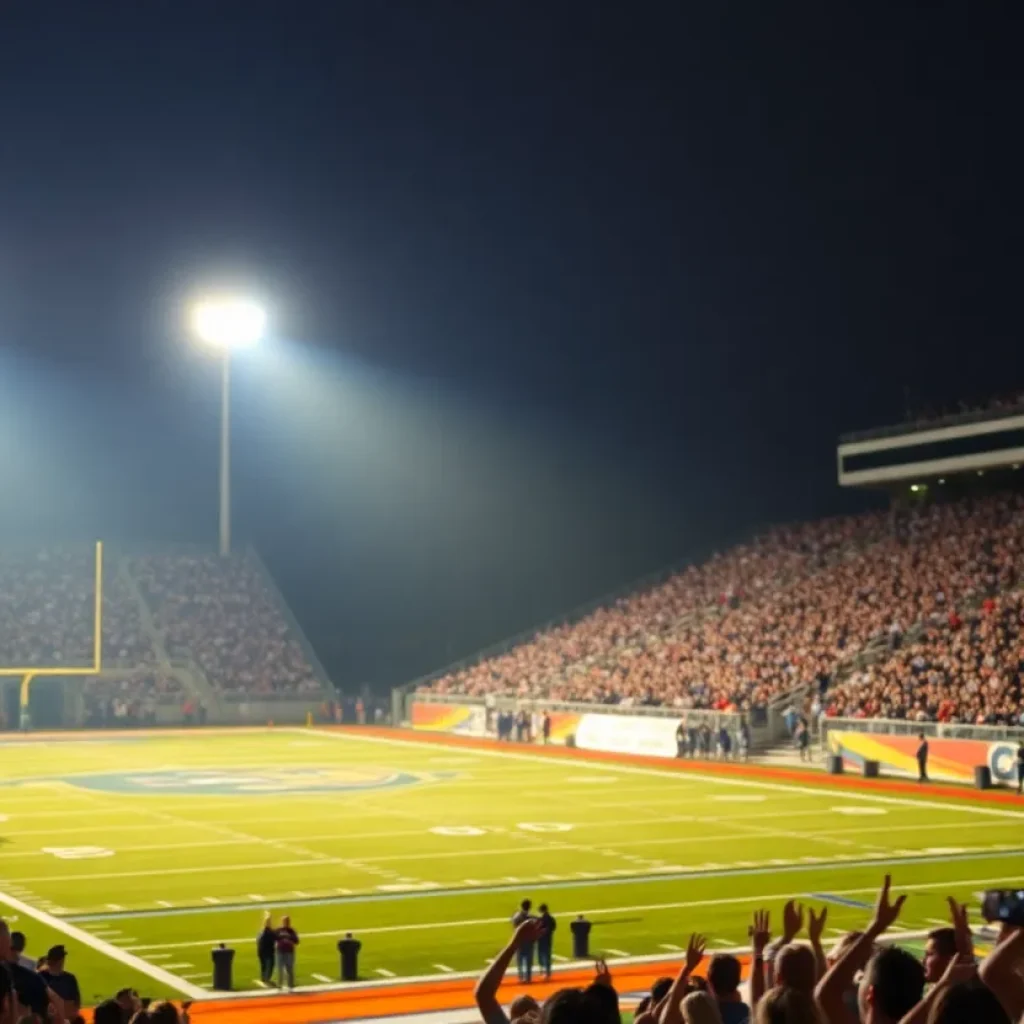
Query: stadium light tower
(227,325)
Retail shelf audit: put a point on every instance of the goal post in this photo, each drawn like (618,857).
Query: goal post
(28,673)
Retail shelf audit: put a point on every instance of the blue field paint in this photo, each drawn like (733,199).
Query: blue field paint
(229,782)
(686,876)
(839,901)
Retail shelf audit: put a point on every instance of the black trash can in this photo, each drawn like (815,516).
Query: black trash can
(223,958)
(349,950)
(580,929)
(835,764)
(870,769)
(982,776)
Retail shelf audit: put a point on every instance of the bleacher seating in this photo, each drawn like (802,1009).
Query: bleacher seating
(214,614)
(220,613)
(791,609)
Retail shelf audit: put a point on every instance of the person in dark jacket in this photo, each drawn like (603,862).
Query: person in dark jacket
(922,759)
(266,946)
(545,941)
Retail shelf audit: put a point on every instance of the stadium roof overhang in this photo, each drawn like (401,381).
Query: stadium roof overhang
(917,453)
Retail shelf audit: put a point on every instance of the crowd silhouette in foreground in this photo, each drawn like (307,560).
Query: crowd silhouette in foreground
(864,979)
(906,614)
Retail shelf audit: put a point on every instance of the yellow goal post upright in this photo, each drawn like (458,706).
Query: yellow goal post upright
(27,673)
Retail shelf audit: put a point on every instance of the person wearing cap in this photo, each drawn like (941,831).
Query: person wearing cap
(62,983)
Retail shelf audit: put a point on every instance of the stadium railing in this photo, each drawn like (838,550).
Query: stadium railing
(903,727)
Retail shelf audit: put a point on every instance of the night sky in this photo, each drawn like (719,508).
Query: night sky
(559,292)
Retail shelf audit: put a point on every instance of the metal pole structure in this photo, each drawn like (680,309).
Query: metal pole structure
(225,453)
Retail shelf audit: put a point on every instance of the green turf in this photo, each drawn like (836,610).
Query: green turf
(200,833)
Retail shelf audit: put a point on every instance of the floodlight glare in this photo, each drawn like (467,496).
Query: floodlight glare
(229,324)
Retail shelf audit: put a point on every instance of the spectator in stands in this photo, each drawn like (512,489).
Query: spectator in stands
(701,1008)
(62,982)
(724,976)
(939,952)
(18,948)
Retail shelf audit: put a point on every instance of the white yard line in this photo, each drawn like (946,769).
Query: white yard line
(160,974)
(839,793)
(754,898)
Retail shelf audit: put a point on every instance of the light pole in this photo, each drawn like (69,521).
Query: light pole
(227,324)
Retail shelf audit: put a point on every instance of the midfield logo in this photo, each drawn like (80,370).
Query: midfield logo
(223,782)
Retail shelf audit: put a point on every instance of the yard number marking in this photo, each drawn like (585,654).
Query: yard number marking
(78,852)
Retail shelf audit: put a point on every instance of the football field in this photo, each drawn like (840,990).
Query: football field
(141,853)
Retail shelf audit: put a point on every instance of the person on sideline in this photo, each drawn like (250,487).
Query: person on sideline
(266,945)
(287,940)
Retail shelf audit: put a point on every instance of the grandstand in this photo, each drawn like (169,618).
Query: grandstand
(907,614)
(183,633)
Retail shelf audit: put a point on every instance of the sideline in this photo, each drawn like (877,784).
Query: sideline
(772,867)
(748,775)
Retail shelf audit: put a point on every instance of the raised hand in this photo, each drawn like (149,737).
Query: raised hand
(695,952)
(964,939)
(792,921)
(529,931)
(886,910)
(604,976)
(760,932)
(816,925)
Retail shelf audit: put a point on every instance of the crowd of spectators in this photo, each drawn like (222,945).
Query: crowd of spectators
(965,668)
(786,611)
(215,613)
(864,979)
(132,699)
(219,613)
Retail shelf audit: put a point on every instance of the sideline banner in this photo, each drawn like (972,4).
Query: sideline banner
(464,719)
(628,734)
(948,760)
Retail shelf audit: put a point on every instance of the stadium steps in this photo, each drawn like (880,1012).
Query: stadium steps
(145,616)
(786,755)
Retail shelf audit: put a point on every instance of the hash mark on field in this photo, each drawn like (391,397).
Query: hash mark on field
(115,906)
(508,878)
(255,896)
(260,982)
(390,974)
(671,946)
(164,903)
(210,899)
(176,967)
(615,952)
(471,881)
(935,920)
(302,896)
(324,979)
(445,968)
(554,956)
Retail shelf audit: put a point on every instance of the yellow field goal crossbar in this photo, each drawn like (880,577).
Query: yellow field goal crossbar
(27,673)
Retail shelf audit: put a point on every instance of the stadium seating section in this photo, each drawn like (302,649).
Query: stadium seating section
(213,616)
(901,614)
